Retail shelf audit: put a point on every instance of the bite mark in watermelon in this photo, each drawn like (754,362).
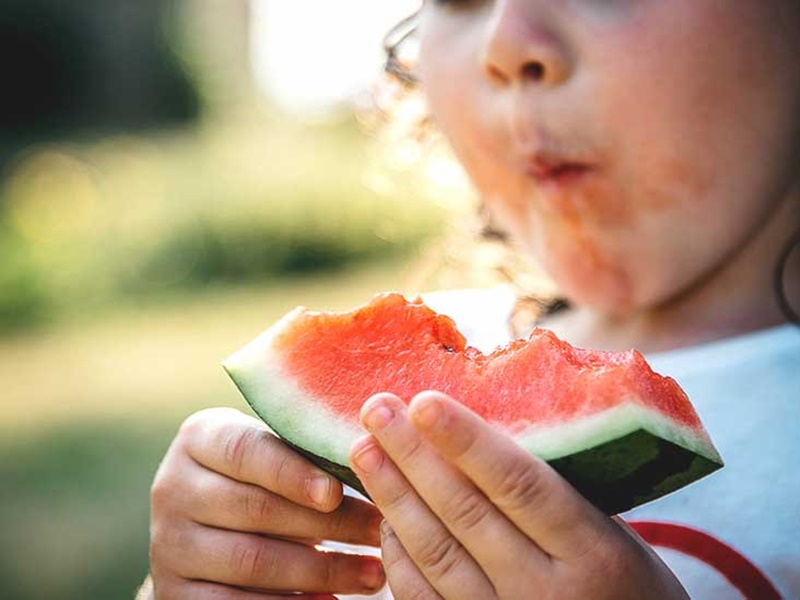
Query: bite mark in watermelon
(620,433)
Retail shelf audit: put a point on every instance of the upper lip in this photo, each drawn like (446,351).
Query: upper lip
(544,166)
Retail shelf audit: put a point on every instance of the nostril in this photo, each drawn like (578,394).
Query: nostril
(533,71)
(497,75)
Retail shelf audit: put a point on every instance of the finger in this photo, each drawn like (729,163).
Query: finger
(223,503)
(242,448)
(403,576)
(183,589)
(536,498)
(439,556)
(253,561)
(464,509)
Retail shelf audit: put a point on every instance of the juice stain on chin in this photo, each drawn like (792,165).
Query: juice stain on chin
(592,201)
(582,267)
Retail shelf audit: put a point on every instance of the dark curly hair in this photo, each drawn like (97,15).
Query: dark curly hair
(393,42)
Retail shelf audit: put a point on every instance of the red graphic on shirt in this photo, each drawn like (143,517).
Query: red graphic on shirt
(736,568)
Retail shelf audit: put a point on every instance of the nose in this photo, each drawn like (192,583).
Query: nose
(521,45)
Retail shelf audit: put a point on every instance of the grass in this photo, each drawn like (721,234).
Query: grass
(89,407)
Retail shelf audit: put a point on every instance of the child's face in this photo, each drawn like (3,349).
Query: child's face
(631,145)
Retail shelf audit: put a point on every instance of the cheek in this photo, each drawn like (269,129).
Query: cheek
(465,109)
(720,113)
(478,134)
(706,148)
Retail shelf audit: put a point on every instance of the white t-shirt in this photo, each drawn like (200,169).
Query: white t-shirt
(736,533)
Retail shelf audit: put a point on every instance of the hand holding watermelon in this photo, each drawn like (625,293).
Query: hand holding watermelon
(227,499)
(469,514)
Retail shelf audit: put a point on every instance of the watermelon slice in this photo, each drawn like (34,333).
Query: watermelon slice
(620,433)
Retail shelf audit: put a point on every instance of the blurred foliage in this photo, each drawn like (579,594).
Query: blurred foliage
(88,409)
(154,215)
(82,546)
(22,299)
(129,217)
(96,65)
(100,204)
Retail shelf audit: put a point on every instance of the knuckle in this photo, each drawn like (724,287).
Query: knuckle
(259,506)
(254,561)
(417,592)
(392,551)
(285,471)
(170,547)
(425,594)
(441,556)
(522,485)
(168,479)
(165,489)
(161,492)
(398,501)
(209,428)
(467,510)
(394,557)
(411,450)
(331,570)
(236,448)
(340,522)
(156,555)
(283,467)
(186,590)
(467,443)
(158,539)
(165,588)
(196,423)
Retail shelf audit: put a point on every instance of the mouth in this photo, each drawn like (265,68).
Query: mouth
(556,171)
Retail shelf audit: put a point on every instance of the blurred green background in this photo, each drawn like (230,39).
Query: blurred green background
(157,211)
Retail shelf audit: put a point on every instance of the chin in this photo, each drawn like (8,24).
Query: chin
(607,292)
(611,306)
(588,279)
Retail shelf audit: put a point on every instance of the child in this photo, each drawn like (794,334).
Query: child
(647,154)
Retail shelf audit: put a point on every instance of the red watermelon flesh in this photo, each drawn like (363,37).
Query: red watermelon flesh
(620,433)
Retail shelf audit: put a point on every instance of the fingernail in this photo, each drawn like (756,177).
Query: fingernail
(372,575)
(319,490)
(369,457)
(377,416)
(426,414)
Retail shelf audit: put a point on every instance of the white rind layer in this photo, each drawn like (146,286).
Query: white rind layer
(279,402)
(306,422)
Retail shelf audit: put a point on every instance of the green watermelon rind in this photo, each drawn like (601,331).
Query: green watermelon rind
(620,458)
